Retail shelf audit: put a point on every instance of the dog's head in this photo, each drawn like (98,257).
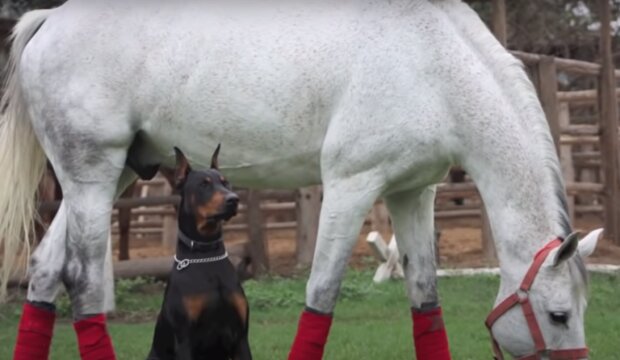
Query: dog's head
(206,195)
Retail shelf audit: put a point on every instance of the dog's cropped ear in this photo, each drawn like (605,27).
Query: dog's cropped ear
(182,168)
(214,164)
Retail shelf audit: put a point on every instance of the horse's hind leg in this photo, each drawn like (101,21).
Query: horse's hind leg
(73,250)
(38,315)
(413,223)
(89,207)
(49,257)
(88,169)
(127,178)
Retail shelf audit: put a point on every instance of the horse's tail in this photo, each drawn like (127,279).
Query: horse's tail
(22,160)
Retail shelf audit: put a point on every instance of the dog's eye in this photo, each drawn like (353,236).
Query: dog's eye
(205,182)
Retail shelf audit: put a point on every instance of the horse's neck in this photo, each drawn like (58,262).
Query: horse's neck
(510,154)
(513,162)
(521,200)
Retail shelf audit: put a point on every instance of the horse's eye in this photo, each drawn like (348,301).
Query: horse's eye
(559,317)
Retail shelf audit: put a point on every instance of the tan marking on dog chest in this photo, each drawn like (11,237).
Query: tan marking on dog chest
(194,305)
(241,305)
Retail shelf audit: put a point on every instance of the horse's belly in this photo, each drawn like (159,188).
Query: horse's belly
(254,154)
(266,94)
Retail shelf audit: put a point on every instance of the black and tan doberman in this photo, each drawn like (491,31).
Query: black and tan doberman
(205,313)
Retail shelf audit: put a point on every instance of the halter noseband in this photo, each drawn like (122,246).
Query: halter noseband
(521,297)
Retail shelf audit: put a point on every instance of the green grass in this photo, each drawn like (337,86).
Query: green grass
(372,321)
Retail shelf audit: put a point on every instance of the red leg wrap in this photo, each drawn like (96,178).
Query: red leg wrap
(312,333)
(93,339)
(429,335)
(35,334)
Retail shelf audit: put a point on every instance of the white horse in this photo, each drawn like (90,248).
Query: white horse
(371,98)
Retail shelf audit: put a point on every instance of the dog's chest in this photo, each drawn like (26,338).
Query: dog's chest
(207,294)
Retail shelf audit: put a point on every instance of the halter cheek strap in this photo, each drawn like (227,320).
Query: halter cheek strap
(521,297)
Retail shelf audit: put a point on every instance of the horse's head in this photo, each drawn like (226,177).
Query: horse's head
(207,198)
(544,311)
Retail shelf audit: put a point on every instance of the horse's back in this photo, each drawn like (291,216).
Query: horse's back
(194,76)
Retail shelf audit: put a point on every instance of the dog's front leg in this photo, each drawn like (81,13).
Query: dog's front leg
(183,345)
(243,351)
(163,343)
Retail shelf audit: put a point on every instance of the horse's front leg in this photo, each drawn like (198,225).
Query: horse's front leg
(413,223)
(345,205)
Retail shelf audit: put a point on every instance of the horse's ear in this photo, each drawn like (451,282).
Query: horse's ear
(182,168)
(566,250)
(214,162)
(588,243)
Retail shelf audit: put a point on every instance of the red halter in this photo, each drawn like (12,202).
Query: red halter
(521,296)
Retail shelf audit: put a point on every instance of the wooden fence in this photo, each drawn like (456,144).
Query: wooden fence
(152,214)
(593,146)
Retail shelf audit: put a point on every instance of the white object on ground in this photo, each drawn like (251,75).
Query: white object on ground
(390,267)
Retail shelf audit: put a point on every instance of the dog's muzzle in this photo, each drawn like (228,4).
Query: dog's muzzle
(231,206)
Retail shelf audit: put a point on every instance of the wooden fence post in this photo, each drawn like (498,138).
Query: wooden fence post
(169,224)
(308,207)
(488,246)
(566,158)
(608,108)
(256,235)
(547,86)
(500,26)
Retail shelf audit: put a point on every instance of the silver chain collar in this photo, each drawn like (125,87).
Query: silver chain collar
(182,264)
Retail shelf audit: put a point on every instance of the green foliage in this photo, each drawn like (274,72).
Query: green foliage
(564,28)
(63,305)
(125,290)
(274,292)
(277,292)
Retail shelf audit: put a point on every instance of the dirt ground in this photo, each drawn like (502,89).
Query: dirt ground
(460,245)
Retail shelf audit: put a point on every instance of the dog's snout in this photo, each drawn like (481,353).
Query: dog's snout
(232,200)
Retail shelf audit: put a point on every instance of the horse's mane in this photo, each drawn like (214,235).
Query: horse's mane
(510,73)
